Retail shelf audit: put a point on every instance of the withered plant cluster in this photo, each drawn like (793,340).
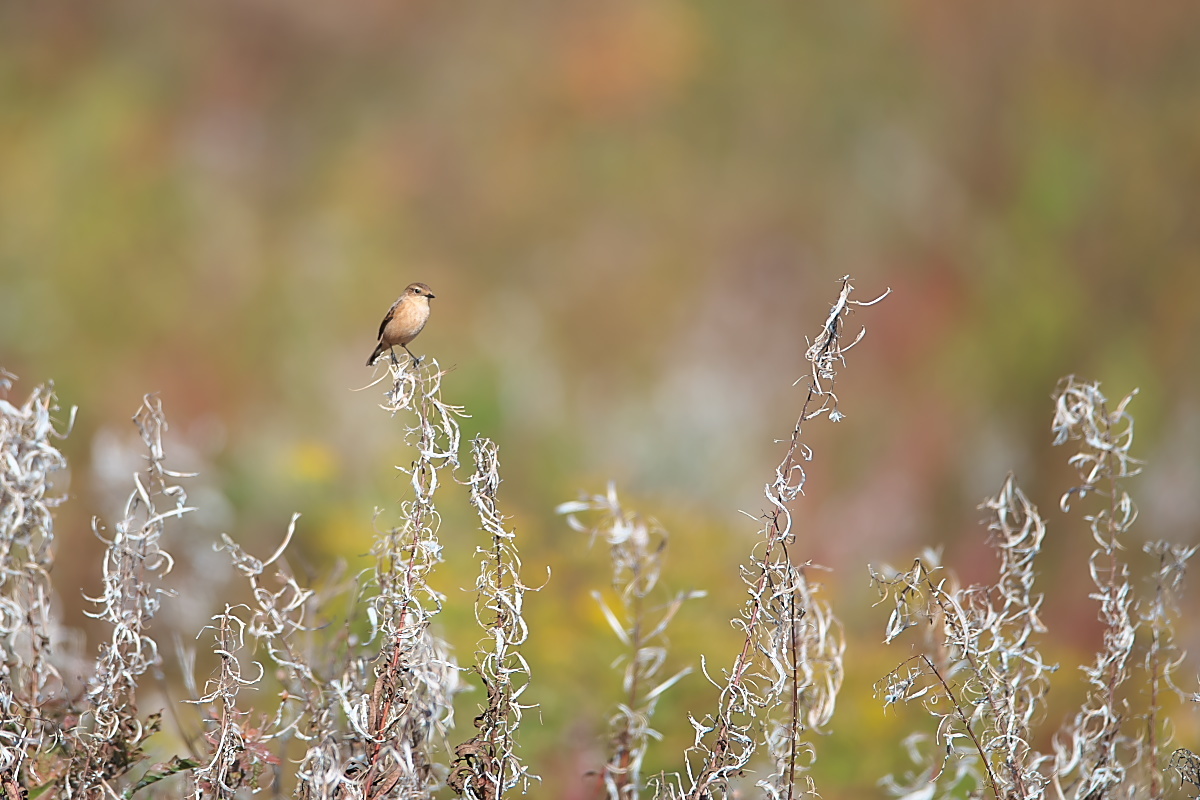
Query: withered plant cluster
(364,688)
(364,701)
(784,681)
(981,673)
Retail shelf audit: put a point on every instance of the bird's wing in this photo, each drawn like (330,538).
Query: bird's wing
(391,312)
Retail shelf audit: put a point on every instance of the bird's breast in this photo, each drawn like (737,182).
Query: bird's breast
(407,322)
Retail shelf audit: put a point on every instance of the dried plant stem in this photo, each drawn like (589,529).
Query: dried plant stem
(28,678)
(107,741)
(985,635)
(241,753)
(410,695)
(637,547)
(487,765)
(1089,748)
(791,653)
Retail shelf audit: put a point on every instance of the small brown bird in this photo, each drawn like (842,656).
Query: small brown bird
(403,321)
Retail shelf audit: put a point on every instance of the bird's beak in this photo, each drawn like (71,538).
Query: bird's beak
(431,295)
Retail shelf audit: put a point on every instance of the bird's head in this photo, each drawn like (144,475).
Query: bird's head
(419,290)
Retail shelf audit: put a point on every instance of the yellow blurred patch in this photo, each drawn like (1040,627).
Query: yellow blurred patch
(343,534)
(312,462)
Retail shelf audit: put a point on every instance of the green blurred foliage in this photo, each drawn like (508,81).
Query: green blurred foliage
(632,213)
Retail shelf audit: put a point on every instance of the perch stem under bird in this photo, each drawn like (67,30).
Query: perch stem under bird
(403,321)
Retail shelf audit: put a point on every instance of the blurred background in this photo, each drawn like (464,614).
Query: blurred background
(632,214)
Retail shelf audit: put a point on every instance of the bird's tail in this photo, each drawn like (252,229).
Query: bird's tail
(378,351)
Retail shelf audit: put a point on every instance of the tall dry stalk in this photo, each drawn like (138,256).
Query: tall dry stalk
(486,766)
(786,677)
(29,680)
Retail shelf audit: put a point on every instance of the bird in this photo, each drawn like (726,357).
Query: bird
(403,321)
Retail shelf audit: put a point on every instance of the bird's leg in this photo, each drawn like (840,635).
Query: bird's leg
(392,353)
(416,361)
